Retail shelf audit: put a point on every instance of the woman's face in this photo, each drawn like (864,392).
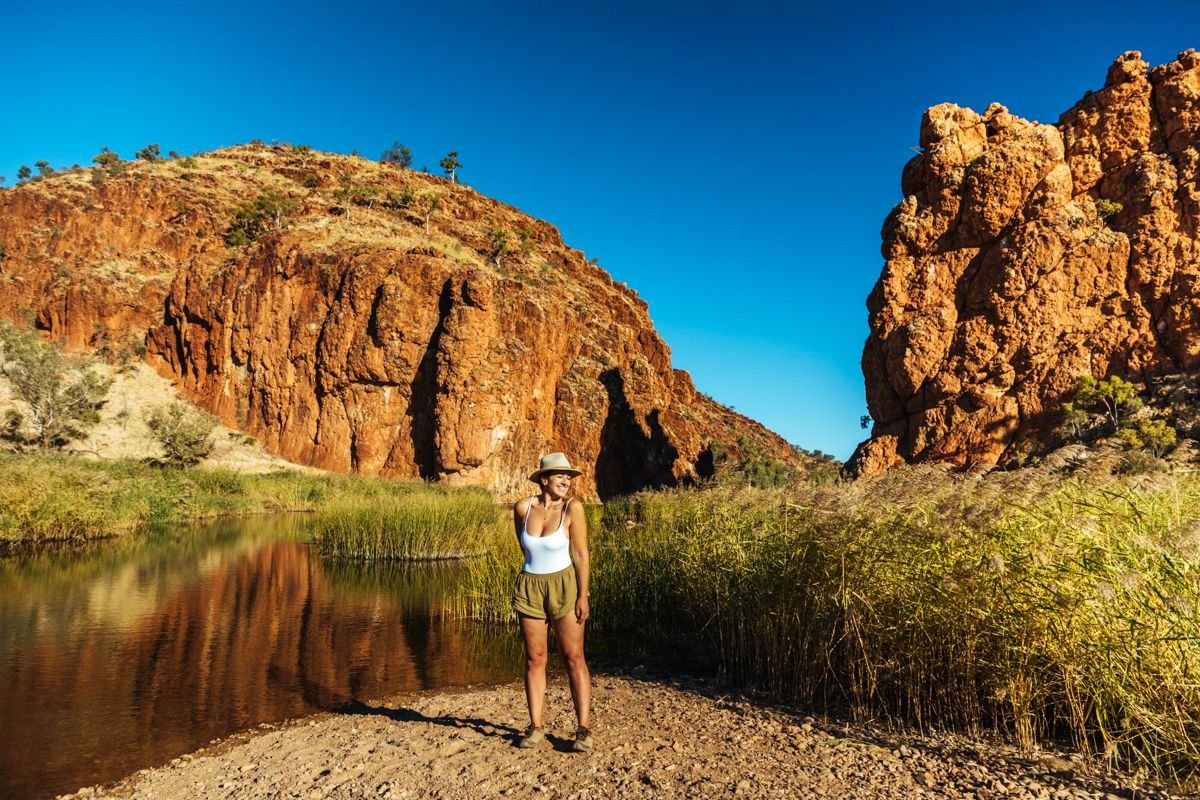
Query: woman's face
(557,484)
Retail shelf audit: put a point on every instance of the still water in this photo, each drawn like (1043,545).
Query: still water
(122,656)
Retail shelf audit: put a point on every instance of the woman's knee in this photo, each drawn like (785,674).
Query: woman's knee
(574,658)
(535,658)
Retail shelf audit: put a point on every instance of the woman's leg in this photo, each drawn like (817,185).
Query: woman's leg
(535,633)
(570,637)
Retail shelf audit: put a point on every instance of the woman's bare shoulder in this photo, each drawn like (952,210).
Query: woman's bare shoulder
(522,506)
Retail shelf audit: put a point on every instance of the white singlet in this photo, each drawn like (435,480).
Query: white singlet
(548,553)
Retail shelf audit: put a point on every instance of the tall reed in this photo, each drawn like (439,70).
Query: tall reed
(1024,602)
(429,524)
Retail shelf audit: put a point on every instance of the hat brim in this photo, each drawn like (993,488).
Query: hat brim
(574,473)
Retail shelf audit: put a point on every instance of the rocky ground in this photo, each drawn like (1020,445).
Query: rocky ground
(674,738)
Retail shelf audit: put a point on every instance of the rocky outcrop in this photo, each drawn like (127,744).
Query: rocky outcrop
(352,337)
(1026,255)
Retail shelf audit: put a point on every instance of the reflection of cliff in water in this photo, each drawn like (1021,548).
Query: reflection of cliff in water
(213,644)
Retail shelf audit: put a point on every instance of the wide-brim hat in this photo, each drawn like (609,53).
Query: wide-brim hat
(554,462)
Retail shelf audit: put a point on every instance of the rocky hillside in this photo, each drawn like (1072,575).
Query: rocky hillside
(362,317)
(1026,255)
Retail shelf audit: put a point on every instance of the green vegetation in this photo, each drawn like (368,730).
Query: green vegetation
(184,432)
(450,165)
(398,201)
(425,204)
(1024,602)
(256,217)
(497,244)
(44,169)
(149,153)
(355,194)
(107,159)
(23,173)
(1108,208)
(424,523)
(56,396)
(397,154)
(55,497)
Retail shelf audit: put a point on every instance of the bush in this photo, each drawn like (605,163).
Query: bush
(1108,208)
(184,432)
(397,154)
(399,200)
(148,153)
(255,217)
(62,395)
(107,159)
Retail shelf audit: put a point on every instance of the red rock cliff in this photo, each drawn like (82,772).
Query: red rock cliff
(1026,255)
(348,337)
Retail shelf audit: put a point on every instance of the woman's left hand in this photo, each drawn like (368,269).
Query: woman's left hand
(581,610)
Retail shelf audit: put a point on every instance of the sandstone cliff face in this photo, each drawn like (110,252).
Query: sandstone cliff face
(1008,277)
(349,338)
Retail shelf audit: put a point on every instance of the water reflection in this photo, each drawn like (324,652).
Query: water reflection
(115,658)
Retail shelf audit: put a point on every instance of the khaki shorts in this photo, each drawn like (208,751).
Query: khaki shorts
(548,596)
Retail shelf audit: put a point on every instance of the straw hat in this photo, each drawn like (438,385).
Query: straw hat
(554,462)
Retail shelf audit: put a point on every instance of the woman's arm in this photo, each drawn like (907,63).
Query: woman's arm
(579,557)
(520,509)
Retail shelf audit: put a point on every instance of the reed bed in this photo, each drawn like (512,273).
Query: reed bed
(59,498)
(430,524)
(1025,602)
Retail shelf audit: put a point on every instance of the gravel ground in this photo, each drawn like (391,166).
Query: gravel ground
(677,738)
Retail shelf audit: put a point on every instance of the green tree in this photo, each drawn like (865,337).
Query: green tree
(148,153)
(44,169)
(497,244)
(23,173)
(425,204)
(185,433)
(61,395)
(106,158)
(355,194)
(1074,421)
(397,154)
(1114,396)
(450,164)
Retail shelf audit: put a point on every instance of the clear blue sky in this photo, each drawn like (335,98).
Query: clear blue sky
(731,161)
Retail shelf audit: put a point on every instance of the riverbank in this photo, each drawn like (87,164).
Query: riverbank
(655,738)
(54,498)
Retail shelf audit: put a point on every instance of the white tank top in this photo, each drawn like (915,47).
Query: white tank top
(549,552)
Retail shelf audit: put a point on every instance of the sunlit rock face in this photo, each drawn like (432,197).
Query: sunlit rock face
(359,333)
(1025,255)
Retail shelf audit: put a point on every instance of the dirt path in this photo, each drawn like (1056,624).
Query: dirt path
(654,739)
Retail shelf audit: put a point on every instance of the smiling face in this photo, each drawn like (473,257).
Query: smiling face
(556,484)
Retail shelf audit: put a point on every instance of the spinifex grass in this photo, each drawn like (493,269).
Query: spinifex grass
(1024,602)
(424,524)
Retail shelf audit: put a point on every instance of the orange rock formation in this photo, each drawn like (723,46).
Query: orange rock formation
(1025,255)
(352,339)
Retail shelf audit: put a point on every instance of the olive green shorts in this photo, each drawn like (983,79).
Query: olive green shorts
(548,596)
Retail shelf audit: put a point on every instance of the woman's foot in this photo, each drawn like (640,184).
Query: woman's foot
(532,737)
(583,740)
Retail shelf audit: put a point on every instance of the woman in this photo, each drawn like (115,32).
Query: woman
(552,590)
